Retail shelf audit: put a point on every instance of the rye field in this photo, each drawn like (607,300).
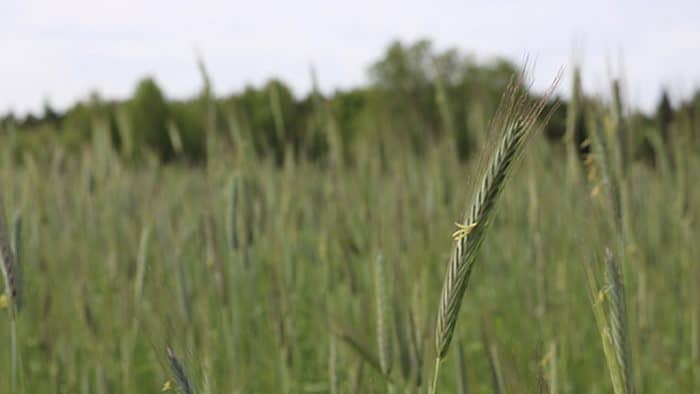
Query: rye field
(532,266)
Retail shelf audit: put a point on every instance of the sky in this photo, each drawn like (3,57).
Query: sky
(61,50)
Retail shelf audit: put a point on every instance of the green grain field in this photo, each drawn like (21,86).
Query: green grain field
(250,272)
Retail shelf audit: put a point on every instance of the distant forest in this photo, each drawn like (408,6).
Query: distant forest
(416,95)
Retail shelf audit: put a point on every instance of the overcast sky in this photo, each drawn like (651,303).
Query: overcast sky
(61,50)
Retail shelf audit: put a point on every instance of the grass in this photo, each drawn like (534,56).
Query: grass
(264,277)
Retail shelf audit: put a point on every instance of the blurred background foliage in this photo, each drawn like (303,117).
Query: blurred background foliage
(415,93)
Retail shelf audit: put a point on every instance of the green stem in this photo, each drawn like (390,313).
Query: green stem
(13,345)
(433,389)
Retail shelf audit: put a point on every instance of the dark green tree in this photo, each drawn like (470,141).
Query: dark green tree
(148,113)
(403,76)
(664,116)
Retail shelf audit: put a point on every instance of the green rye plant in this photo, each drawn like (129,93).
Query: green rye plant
(515,121)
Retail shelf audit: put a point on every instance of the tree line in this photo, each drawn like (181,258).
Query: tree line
(416,94)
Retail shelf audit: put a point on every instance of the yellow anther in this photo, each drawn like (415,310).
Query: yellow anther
(167,386)
(463,230)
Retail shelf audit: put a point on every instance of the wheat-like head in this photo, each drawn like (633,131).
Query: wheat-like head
(514,122)
(183,381)
(618,322)
(8,263)
(383,341)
